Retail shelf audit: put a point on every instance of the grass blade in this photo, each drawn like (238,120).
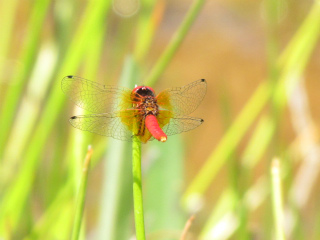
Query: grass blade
(81,196)
(175,42)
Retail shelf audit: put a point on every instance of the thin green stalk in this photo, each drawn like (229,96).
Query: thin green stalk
(176,41)
(271,8)
(276,193)
(81,196)
(137,189)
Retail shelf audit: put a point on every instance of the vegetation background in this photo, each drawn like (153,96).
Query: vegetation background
(261,61)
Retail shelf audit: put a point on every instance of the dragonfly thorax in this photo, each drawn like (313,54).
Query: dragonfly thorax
(149,106)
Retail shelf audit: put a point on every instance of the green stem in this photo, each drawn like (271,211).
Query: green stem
(137,189)
(81,196)
(175,42)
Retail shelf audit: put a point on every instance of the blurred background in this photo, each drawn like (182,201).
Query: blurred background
(261,61)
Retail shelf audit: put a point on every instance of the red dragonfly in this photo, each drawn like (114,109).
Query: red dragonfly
(121,113)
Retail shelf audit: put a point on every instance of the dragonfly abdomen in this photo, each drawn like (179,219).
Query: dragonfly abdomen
(154,128)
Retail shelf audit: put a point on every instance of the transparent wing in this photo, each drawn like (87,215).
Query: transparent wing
(183,100)
(172,126)
(96,97)
(107,124)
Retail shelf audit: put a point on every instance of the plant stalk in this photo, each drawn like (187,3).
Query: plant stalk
(137,189)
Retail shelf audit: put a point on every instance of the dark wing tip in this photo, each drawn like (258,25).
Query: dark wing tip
(69,76)
(74,117)
(203,80)
(201,120)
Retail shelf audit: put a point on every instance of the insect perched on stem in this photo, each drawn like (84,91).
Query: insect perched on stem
(121,112)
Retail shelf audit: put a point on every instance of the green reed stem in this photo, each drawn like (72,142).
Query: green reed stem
(276,193)
(137,189)
(81,196)
(175,42)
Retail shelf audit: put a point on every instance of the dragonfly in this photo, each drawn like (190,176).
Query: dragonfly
(122,113)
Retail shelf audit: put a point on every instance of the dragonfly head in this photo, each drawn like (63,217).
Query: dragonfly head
(143,91)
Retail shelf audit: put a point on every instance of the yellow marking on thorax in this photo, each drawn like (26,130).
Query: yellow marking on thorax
(142,127)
